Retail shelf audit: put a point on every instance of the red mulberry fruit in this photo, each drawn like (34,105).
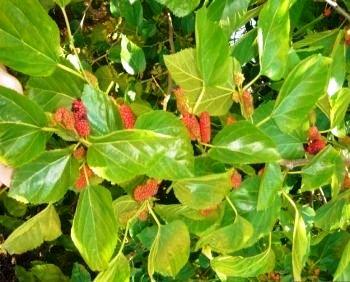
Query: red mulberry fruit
(82,127)
(145,191)
(79,153)
(205,128)
(248,103)
(346,182)
(236,179)
(315,146)
(181,102)
(65,118)
(127,116)
(192,125)
(84,173)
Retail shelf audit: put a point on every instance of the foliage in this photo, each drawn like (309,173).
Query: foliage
(171,140)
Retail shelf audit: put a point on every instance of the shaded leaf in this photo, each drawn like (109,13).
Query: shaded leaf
(45,226)
(117,271)
(132,57)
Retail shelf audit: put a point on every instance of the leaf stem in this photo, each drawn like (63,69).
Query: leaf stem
(263,121)
(232,206)
(70,70)
(153,214)
(49,129)
(250,83)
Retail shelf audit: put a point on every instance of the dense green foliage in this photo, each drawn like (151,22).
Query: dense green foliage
(258,194)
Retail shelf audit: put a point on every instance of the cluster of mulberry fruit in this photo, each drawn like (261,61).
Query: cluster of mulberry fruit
(145,191)
(76,119)
(236,179)
(199,130)
(315,141)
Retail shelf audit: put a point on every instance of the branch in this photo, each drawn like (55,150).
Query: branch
(337,8)
(172,51)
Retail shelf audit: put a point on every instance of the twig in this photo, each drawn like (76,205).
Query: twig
(337,8)
(172,51)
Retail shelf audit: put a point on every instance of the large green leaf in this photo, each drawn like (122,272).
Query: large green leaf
(228,239)
(57,90)
(117,271)
(245,49)
(337,68)
(244,266)
(343,269)
(170,249)
(94,229)
(270,184)
(132,57)
(243,143)
(159,148)
(180,8)
(29,38)
(215,99)
(203,192)
(290,147)
(325,168)
(45,226)
(338,210)
(212,51)
(228,13)
(102,113)
(339,104)
(21,120)
(46,179)
(273,38)
(302,88)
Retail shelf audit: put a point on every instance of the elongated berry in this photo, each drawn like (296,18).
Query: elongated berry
(181,102)
(82,127)
(127,116)
(145,191)
(84,174)
(205,127)
(79,110)
(65,118)
(192,125)
(236,179)
(314,134)
(346,182)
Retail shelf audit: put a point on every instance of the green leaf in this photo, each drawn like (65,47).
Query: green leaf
(300,247)
(55,91)
(338,210)
(203,192)
(343,269)
(102,113)
(215,99)
(94,229)
(244,266)
(170,249)
(229,238)
(124,208)
(80,274)
(273,38)
(159,148)
(45,226)
(132,11)
(337,68)
(290,147)
(48,272)
(327,167)
(29,38)
(180,8)
(132,56)
(302,88)
(212,51)
(21,120)
(271,183)
(245,200)
(13,207)
(63,3)
(117,271)
(246,48)
(243,143)
(339,105)
(46,179)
